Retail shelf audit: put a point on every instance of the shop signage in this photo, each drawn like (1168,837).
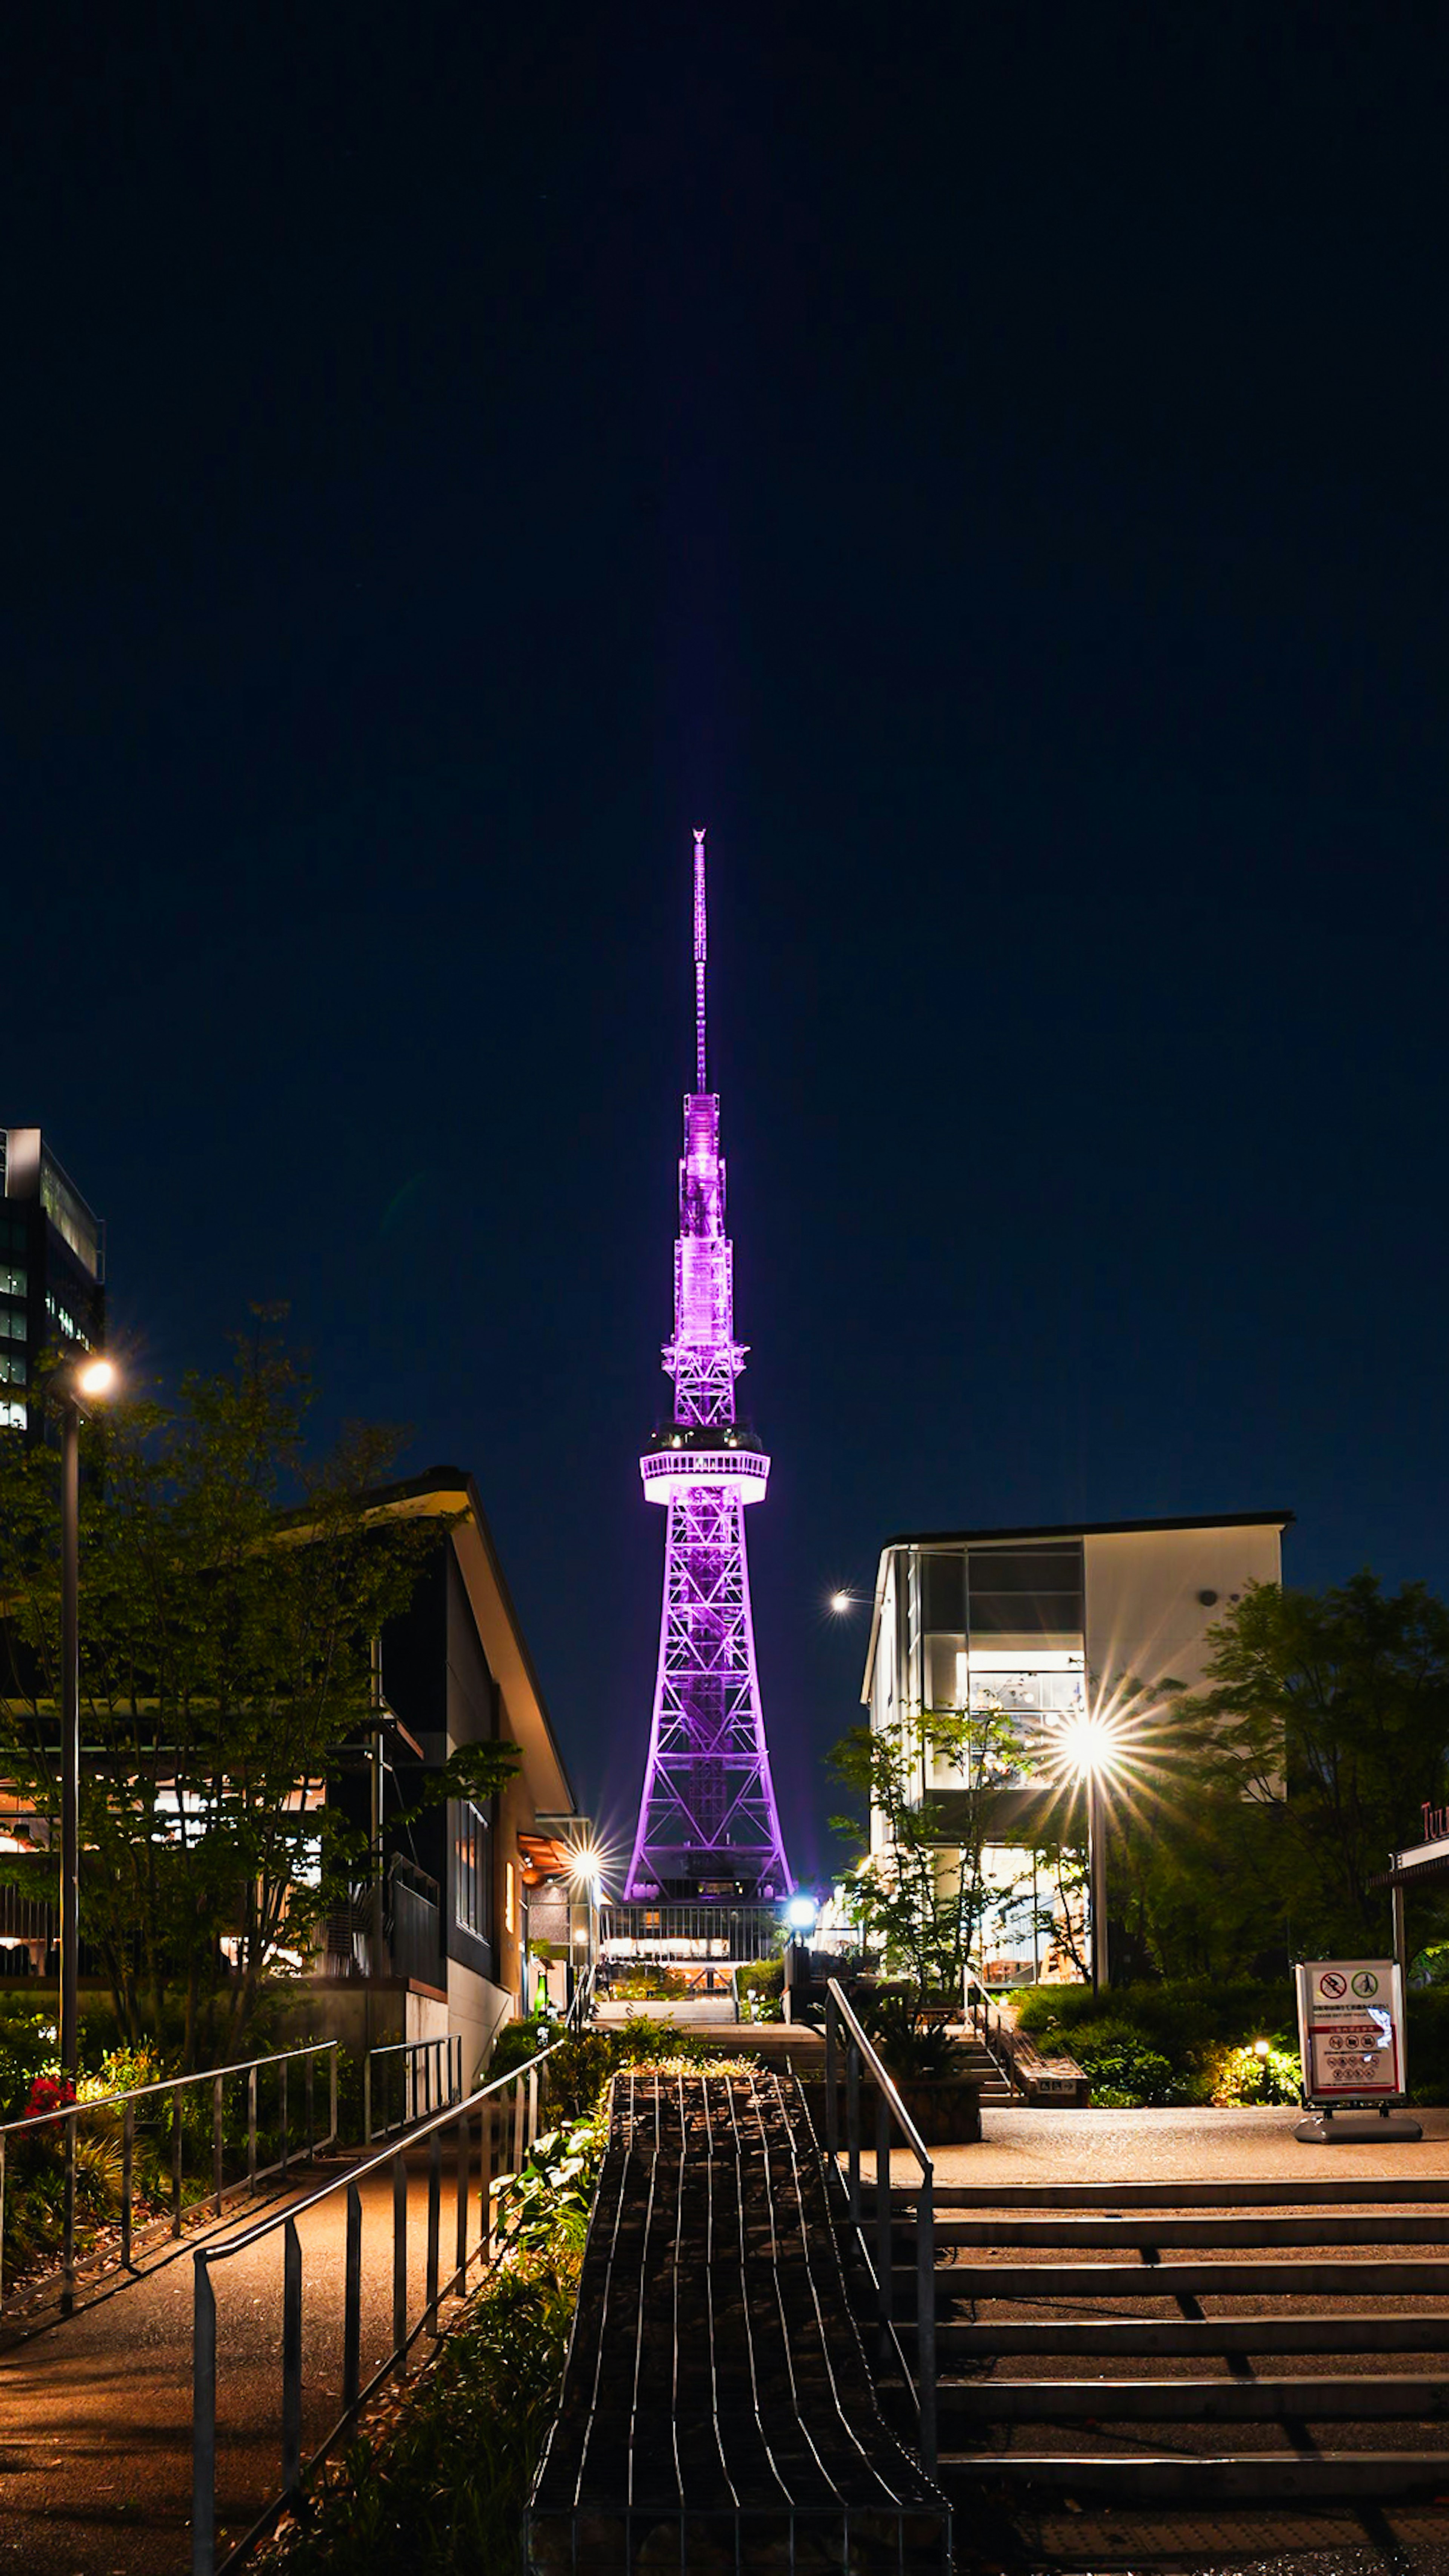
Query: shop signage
(1351,2031)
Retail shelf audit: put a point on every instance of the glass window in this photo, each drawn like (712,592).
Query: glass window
(14,1281)
(12,1414)
(12,1323)
(472,1871)
(12,1369)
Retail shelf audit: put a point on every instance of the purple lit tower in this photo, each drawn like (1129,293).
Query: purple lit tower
(708,1825)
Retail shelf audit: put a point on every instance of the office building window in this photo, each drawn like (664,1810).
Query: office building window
(473,1871)
(12,1414)
(12,1369)
(12,1323)
(14,1279)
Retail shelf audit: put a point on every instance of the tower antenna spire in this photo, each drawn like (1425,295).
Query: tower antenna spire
(700,951)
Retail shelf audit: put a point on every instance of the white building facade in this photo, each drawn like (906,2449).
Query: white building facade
(1050,1626)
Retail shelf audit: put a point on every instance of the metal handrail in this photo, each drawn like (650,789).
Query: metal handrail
(581,2002)
(889,2106)
(173,2085)
(430,2051)
(979,2014)
(525,2083)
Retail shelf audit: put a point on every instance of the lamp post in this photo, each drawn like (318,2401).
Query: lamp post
(82,1385)
(1097,1872)
(1089,1744)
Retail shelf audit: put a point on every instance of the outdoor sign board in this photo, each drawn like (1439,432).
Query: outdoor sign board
(1351,2032)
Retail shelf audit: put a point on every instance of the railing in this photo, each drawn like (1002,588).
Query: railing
(414,1940)
(581,2002)
(420,2069)
(889,2107)
(976,2005)
(173,2087)
(524,2081)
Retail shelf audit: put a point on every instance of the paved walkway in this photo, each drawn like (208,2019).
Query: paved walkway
(95,2411)
(1042,2147)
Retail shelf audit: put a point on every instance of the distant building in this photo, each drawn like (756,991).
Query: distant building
(52,1270)
(1046,1624)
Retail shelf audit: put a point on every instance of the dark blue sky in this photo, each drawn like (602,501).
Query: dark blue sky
(989,464)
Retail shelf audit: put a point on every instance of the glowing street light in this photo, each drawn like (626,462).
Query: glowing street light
(840,1602)
(801,1913)
(1090,1747)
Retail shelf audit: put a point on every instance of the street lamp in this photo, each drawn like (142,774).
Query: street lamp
(1090,1746)
(83,1384)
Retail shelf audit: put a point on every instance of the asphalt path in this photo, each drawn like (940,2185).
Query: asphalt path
(95,2409)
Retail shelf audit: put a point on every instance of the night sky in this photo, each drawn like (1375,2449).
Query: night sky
(988,463)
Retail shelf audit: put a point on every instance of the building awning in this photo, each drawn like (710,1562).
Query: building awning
(1417,1864)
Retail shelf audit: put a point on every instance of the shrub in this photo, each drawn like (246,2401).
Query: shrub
(1244,2075)
(761,1990)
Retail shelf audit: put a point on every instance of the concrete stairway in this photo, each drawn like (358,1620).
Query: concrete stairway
(1189,2347)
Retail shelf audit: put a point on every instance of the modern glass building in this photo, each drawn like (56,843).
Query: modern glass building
(1048,1625)
(52,1270)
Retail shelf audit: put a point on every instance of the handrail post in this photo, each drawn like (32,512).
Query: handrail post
(367,2099)
(352,2305)
(67,2252)
(216,2091)
(832,2107)
(852,2122)
(926,2316)
(175,2159)
(307,2102)
(399,2264)
(252,2131)
(2,2219)
(465,2157)
(332,2092)
(128,2159)
(485,2190)
(282,2081)
(883,2226)
(435,2188)
(203,2421)
(532,2107)
(518,2125)
(291,2358)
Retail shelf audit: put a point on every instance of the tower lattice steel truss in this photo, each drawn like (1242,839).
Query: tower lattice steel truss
(708,1824)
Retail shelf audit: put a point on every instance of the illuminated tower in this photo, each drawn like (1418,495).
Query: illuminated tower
(708,1825)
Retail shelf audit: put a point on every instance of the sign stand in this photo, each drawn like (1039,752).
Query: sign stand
(1351,2041)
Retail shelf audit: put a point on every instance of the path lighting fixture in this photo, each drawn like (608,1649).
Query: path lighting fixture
(801,1913)
(840,1602)
(1262,2047)
(1089,1747)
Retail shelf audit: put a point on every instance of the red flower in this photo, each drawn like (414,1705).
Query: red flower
(48,2093)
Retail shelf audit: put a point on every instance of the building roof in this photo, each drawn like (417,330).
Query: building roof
(449,1492)
(1275,1519)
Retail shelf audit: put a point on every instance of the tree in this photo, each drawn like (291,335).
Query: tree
(923,1893)
(1323,1728)
(230,1591)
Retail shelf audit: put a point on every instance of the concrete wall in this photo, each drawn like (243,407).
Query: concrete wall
(1145,1614)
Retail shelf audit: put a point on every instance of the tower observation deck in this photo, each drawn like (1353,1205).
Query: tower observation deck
(708,1828)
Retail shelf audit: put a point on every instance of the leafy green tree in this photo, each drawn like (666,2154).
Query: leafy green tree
(230,1590)
(935,1787)
(1323,1727)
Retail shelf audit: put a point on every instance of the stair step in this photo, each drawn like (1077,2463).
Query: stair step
(1175,2337)
(1257,2477)
(1334,2193)
(1094,2281)
(1409,2228)
(1350,2398)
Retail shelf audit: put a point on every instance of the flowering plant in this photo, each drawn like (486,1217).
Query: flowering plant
(48,2093)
